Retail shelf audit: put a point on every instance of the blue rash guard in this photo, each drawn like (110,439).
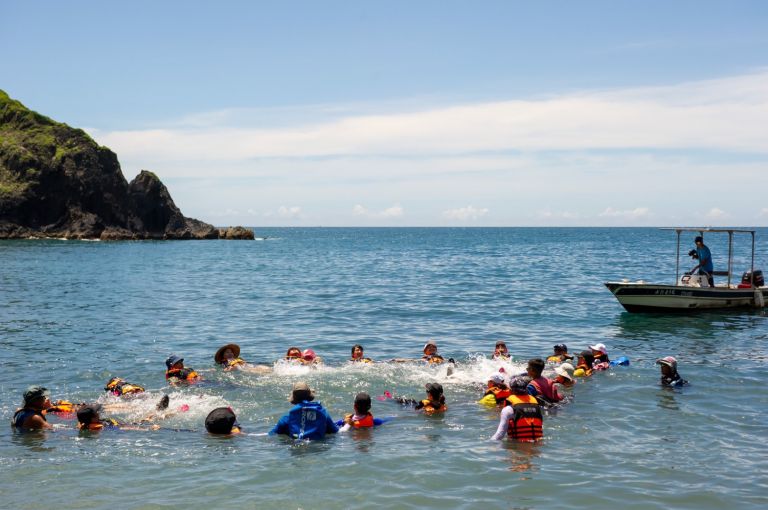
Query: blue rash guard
(705,259)
(307,420)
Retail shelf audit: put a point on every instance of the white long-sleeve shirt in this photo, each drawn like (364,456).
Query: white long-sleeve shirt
(506,415)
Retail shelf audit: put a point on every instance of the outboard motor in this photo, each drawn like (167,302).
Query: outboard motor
(749,280)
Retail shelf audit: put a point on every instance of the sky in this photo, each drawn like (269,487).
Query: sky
(403,113)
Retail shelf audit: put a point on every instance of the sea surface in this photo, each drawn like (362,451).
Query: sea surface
(73,314)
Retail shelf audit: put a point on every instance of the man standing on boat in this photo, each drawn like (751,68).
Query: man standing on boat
(705,266)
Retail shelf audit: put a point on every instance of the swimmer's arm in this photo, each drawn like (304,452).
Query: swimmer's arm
(501,431)
(36,422)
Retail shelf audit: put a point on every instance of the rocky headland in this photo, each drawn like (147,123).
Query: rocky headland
(56,182)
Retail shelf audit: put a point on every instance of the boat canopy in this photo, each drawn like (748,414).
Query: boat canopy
(701,230)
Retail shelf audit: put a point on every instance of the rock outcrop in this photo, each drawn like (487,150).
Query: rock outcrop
(55,181)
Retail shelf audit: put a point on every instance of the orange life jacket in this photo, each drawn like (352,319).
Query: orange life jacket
(433,359)
(500,394)
(361,360)
(526,423)
(365,422)
(184,374)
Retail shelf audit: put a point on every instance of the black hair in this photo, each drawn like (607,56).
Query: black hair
(362,403)
(537,365)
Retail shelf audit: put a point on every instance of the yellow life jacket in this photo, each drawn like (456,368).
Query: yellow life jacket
(430,407)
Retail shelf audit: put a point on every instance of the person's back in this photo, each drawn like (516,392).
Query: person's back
(306,419)
(540,386)
(522,419)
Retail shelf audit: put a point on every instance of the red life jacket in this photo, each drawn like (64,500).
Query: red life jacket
(526,423)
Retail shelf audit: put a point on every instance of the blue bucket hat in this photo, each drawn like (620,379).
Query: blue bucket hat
(172,360)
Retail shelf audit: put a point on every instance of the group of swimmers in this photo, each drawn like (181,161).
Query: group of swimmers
(521,397)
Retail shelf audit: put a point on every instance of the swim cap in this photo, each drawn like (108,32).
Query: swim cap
(497,378)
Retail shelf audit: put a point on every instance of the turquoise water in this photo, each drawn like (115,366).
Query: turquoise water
(73,314)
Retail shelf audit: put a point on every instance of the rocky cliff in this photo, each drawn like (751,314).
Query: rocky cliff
(55,181)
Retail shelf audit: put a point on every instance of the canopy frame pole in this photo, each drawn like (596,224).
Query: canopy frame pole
(677,259)
(730,256)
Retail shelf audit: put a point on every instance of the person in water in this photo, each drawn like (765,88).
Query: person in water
(293,354)
(522,419)
(362,417)
(308,357)
(500,352)
(584,364)
(307,419)
(177,373)
(564,375)
(497,388)
(541,387)
(89,418)
(705,265)
(430,353)
(358,356)
(228,357)
(669,375)
(31,416)
(120,387)
(434,403)
(222,421)
(600,355)
(560,354)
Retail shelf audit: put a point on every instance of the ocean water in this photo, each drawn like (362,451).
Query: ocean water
(73,314)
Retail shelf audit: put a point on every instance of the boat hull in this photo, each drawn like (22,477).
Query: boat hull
(643,297)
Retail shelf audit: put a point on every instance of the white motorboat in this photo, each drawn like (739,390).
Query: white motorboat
(693,292)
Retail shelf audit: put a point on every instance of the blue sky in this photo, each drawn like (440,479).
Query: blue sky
(415,113)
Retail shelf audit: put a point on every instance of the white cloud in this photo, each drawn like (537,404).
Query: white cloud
(396,211)
(285,213)
(639,212)
(556,215)
(716,213)
(724,114)
(465,213)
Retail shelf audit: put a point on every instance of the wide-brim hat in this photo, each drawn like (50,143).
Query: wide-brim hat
(562,372)
(220,421)
(301,391)
(218,357)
